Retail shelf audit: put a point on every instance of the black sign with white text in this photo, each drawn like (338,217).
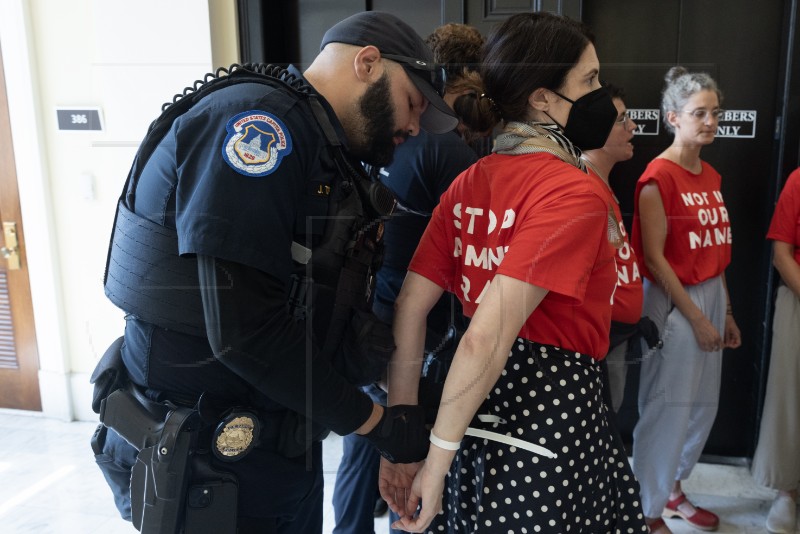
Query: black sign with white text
(79,119)
(737,124)
(647,121)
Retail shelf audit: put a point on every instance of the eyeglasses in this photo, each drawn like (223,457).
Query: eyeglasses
(701,113)
(435,74)
(625,117)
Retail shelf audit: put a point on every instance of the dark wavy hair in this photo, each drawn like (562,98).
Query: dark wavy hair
(614,91)
(528,51)
(459,48)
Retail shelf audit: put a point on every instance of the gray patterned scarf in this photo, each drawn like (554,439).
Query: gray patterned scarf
(532,137)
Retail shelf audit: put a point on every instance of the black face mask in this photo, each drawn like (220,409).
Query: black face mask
(590,120)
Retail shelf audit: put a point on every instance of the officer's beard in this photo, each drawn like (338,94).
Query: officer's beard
(374,138)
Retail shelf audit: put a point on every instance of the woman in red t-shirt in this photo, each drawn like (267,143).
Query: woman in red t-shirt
(627,323)
(525,239)
(681,230)
(776,463)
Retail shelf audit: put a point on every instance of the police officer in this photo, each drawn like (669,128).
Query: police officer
(249,180)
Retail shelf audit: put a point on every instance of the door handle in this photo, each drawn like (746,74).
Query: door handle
(11,249)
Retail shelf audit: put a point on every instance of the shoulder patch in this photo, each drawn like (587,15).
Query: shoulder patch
(256,143)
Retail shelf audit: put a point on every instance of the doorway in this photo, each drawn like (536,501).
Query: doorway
(19,356)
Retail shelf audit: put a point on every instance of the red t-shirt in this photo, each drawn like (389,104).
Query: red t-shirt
(698,244)
(537,219)
(627,304)
(785,225)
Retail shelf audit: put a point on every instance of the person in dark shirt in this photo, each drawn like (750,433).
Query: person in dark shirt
(422,170)
(242,191)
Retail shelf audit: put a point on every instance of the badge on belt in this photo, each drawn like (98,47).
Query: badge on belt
(235,436)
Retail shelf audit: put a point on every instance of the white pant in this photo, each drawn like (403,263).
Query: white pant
(776,462)
(678,393)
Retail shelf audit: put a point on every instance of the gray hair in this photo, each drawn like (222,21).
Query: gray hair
(680,86)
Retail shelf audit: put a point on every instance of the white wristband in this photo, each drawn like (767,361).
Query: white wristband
(443,444)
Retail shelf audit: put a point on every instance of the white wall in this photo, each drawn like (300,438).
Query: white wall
(126,58)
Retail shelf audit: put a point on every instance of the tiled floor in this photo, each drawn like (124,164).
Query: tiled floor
(49,484)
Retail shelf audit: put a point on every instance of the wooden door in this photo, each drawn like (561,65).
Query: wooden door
(19,357)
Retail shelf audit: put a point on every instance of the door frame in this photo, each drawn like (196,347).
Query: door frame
(55,377)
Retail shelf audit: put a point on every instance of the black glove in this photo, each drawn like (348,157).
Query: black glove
(649,331)
(400,436)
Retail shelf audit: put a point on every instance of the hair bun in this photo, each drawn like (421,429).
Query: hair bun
(674,73)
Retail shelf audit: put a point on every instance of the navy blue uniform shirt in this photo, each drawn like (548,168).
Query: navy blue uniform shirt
(233,176)
(423,168)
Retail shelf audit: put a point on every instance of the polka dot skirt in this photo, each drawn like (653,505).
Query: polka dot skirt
(552,398)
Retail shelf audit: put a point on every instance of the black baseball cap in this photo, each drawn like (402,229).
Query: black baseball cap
(397,41)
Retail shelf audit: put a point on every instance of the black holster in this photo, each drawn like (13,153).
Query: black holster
(160,477)
(174,488)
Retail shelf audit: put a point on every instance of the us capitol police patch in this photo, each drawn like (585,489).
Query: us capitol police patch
(256,143)
(235,436)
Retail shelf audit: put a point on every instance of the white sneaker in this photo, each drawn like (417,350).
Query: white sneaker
(782,516)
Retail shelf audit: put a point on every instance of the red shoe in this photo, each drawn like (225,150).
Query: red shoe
(656,525)
(702,518)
